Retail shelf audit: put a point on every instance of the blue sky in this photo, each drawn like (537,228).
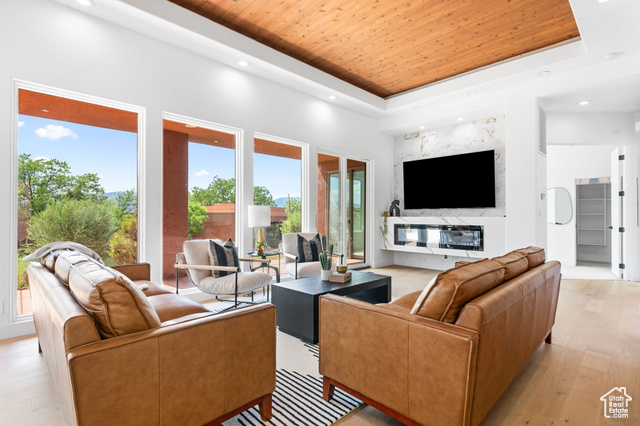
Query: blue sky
(112,154)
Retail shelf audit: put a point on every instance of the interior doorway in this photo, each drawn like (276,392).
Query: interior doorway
(584,242)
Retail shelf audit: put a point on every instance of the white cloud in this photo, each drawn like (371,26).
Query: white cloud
(201,173)
(53,132)
(20,124)
(42,158)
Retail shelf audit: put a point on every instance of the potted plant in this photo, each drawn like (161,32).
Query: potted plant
(325,260)
(260,246)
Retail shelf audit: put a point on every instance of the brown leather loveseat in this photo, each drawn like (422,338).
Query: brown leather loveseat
(124,351)
(443,356)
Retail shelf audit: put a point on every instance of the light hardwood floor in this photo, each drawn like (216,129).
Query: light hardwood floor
(596,347)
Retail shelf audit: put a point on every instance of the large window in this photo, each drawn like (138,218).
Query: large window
(199,188)
(77,180)
(277,180)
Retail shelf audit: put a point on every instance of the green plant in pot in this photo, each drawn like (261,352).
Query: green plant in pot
(260,246)
(325,259)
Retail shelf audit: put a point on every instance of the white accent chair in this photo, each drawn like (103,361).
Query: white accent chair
(195,260)
(291,259)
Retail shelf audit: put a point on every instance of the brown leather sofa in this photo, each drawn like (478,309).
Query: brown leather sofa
(124,351)
(443,356)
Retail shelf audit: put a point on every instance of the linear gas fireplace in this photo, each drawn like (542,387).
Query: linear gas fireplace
(456,237)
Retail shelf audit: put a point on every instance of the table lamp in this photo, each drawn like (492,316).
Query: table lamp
(259,216)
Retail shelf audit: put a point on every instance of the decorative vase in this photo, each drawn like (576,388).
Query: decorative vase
(325,274)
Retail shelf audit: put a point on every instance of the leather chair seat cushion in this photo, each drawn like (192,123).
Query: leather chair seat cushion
(306,269)
(515,263)
(447,293)
(535,255)
(171,306)
(247,281)
(117,305)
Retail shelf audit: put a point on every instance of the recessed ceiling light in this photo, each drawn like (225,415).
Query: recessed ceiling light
(85,2)
(583,103)
(421,127)
(602,1)
(471,93)
(191,126)
(332,98)
(45,110)
(243,63)
(460,118)
(544,73)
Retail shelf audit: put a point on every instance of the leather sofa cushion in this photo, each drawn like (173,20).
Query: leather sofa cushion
(447,293)
(170,306)
(63,261)
(515,263)
(117,305)
(535,255)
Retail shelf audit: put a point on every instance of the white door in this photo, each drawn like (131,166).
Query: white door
(617,213)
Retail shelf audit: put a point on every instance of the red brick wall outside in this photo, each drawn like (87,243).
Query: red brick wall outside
(175,222)
(218,225)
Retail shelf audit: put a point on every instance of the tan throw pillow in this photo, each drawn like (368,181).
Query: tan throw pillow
(535,255)
(452,289)
(515,263)
(117,305)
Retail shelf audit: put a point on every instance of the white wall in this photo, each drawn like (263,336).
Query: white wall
(589,128)
(565,164)
(59,47)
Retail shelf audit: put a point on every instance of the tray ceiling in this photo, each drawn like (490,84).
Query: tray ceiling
(387,47)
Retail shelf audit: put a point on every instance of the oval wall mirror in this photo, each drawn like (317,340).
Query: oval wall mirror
(559,207)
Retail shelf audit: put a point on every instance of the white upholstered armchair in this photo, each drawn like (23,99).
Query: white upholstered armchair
(230,282)
(296,266)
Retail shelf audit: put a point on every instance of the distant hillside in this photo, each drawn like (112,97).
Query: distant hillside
(112,195)
(280,202)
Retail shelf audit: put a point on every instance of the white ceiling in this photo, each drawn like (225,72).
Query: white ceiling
(621,95)
(605,28)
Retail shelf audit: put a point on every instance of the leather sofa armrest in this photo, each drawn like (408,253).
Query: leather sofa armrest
(399,360)
(135,271)
(205,358)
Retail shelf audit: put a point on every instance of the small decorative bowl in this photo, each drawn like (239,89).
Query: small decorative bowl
(341,268)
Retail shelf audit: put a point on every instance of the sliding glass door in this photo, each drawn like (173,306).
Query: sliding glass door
(343,221)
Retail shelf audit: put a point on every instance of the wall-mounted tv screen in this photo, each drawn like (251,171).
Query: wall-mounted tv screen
(452,182)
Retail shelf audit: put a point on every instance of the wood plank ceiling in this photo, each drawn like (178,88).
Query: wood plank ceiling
(387,47)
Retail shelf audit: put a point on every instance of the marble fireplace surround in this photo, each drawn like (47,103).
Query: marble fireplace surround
(494,235)
(473,136)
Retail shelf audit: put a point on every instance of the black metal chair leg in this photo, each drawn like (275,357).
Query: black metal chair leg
(177,279)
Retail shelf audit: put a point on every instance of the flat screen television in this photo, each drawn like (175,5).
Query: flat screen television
(451,182)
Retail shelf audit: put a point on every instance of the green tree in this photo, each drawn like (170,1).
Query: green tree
(224,191)
(262,197)
(123,246)
(293,223)
(126,204)
(85,187)
(197,218)
(86,222)
(219,191)
(44,181)
(41,182)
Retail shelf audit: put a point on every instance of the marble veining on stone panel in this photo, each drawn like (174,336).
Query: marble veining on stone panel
(479,135)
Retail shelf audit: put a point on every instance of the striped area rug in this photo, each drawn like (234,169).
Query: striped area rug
(297,399)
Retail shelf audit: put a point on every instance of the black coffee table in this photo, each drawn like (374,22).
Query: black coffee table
(297,301)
